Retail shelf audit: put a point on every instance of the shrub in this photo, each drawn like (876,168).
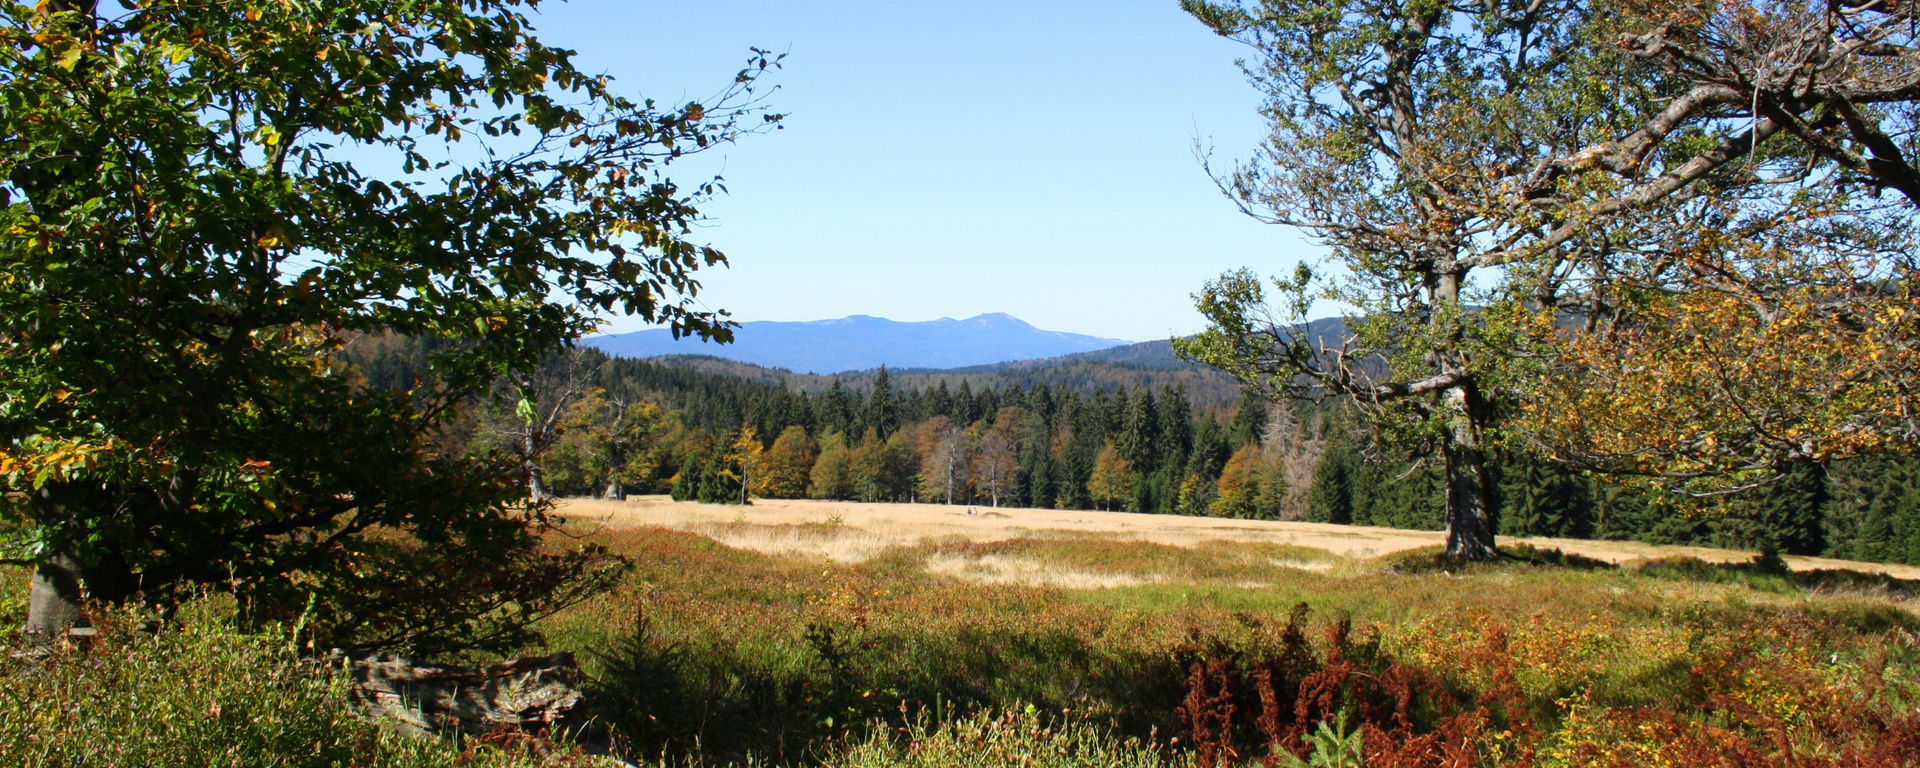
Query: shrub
(1018,736)
(199,693)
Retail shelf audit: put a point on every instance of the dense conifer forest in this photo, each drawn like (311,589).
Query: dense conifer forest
(1081,438)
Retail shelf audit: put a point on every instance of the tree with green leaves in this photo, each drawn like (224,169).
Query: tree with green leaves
(832,473)
(204,202)
(1139,436)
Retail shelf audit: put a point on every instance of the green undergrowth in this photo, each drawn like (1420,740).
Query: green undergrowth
(200,693)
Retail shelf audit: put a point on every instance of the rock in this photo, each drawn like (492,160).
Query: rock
(530,693)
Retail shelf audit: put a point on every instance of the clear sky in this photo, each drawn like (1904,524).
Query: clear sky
(1033,157)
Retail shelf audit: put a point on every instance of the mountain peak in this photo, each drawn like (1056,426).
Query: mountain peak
(998,318)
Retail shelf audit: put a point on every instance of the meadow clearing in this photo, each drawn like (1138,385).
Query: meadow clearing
(873,636)
(790,527)
(798,631)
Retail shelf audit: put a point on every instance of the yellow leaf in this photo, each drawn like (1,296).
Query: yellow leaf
(69,57)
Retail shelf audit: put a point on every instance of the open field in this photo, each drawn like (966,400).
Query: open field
(790,526)
(768,630)
(827,635)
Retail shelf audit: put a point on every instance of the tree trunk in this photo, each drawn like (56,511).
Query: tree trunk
(616,491)
(536,476)
(1469,494)
(53,602)
(537,483)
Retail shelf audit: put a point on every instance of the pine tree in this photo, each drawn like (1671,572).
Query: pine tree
(1249,420)
(1175,438)
(834,410)
(1330,500)
(1538,498)
(939,401)
(1139,436)
(882,412)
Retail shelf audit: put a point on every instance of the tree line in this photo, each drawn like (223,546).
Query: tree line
(637,426)
(1856,509)
(606,426)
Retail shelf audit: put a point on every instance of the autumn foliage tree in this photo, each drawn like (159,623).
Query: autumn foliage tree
(185,246)
(944,463)
(1767,323)
(1112,480)
(786,465)
(995,451)
(1642,236)
(1396,130)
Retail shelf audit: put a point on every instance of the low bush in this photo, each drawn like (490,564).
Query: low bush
(142,694)
(1018,736)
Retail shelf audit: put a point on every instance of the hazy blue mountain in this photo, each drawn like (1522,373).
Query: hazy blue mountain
(861,342)
(1151,365)
(1151,355)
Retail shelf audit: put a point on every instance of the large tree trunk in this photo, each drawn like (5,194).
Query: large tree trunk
(537,483)
(1469,494)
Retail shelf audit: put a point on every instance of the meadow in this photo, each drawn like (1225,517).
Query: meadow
(859,635)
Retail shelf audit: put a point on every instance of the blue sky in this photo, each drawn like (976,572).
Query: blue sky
(951,159)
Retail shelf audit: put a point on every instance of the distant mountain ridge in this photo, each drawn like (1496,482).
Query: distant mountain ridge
(1150,365)
(862,342)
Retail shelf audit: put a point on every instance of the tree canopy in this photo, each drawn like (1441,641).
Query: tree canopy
(1517,196)
(205,203)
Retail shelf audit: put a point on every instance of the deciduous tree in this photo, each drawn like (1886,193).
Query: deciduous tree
(944,464)
(996,453)
(741,462)
(186,239)
(1592,210)
(1112,480)
(832,475)
(787,465)
(1395,128)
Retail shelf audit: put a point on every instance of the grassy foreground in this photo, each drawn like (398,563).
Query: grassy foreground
(923,654)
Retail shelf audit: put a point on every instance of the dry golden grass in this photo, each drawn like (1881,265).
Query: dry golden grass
(850,532)
(1003,569)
